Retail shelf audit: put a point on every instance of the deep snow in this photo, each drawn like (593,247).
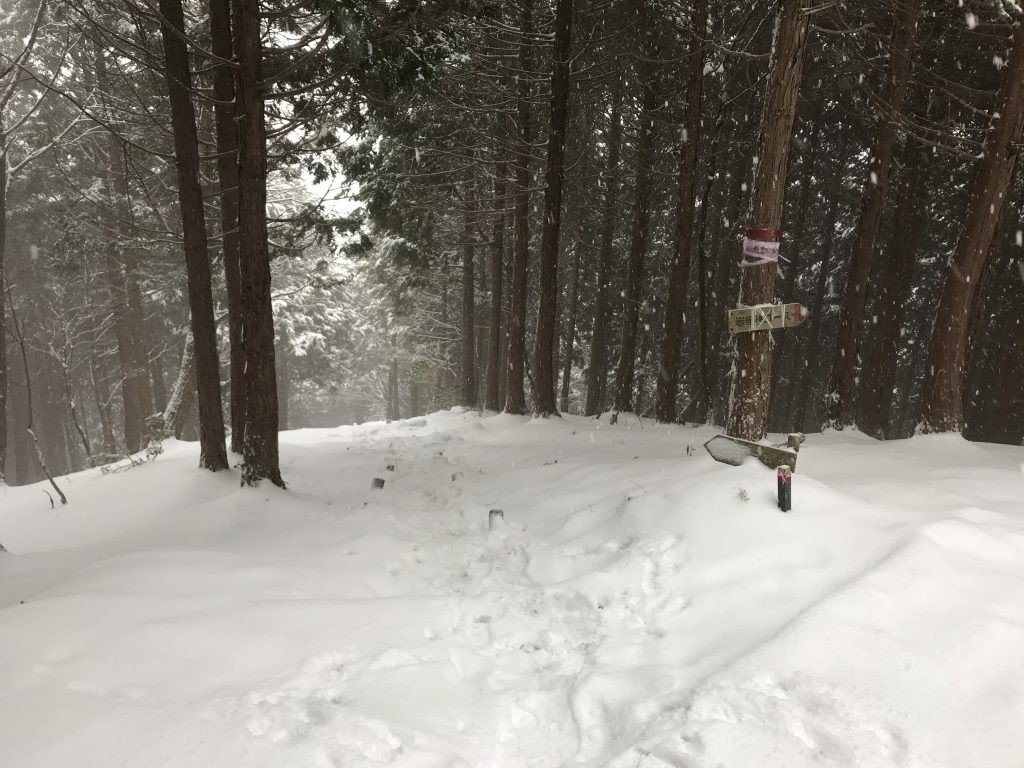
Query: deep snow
(633,610)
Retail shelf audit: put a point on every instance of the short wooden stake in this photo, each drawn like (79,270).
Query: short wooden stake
(493,517)
(785,476)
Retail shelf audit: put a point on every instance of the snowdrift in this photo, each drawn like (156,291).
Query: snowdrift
(639,606)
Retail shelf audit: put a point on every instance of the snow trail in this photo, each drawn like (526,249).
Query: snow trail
(632,609)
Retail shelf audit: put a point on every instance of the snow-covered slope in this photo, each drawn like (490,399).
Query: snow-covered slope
(640,606)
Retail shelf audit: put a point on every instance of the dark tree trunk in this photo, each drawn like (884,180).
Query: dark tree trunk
(570,328)
(260,446)
(212,451)
(817,318)
(840,406)
(639,229)
(227,177)
(515,395)
(123,290)
(284,380)
(675,304)
(752,381)
(101,395)
(19,338)
(414,398)
(943,401)
(792,269)
(393,407)
(491,401)
(3,311)
(610,180)
(543,362)
(183,392)
(468,359)
(878,376)
(725,255)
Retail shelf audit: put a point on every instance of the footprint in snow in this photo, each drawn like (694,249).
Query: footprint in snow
(796,721)
(312,714)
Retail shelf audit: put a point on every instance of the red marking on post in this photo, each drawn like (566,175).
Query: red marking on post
(764,234)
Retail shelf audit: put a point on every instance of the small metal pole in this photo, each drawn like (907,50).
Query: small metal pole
(785,475)
(493,517)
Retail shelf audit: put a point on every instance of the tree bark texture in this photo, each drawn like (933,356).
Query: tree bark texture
(570,328)
(468,358)
(748,408)
(840,406)
(515,395)
(675,303)
(878,375)
(817,317)
(212,451)
(491,401)
(597,369)
(942,403)
(639,229)
(260,444)
(793,267)
(543,357)
(227,177)
(182,393)
(3,311)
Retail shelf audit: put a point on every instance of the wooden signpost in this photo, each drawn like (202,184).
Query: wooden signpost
(733,450)
(765,317)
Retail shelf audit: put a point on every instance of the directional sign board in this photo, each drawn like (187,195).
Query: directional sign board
(764,317)
(733,450)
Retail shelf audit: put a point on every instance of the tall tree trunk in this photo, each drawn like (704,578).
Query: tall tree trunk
(640,223)
(570,327)
(101,394)
(943,406)
(515,396)
(259,446)
(817,314)
(725,256)
(414,398)
(675,304)
(543,362)
(179,403)
(752,380)
(121,285)
(3,292)
(19,337)
(840,406)
(491,401)
(393,407)
(212,452)
(793,268)
(468,359)
(227,177)
(610,181)
(878,376)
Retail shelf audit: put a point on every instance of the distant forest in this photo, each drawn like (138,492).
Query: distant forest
(222,218)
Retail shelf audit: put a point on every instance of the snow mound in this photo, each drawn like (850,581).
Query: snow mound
(640,605)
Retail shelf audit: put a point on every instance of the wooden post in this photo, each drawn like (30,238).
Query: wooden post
(494,518)
(785,475)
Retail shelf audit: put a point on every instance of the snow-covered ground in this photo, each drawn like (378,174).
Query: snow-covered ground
(641,606)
